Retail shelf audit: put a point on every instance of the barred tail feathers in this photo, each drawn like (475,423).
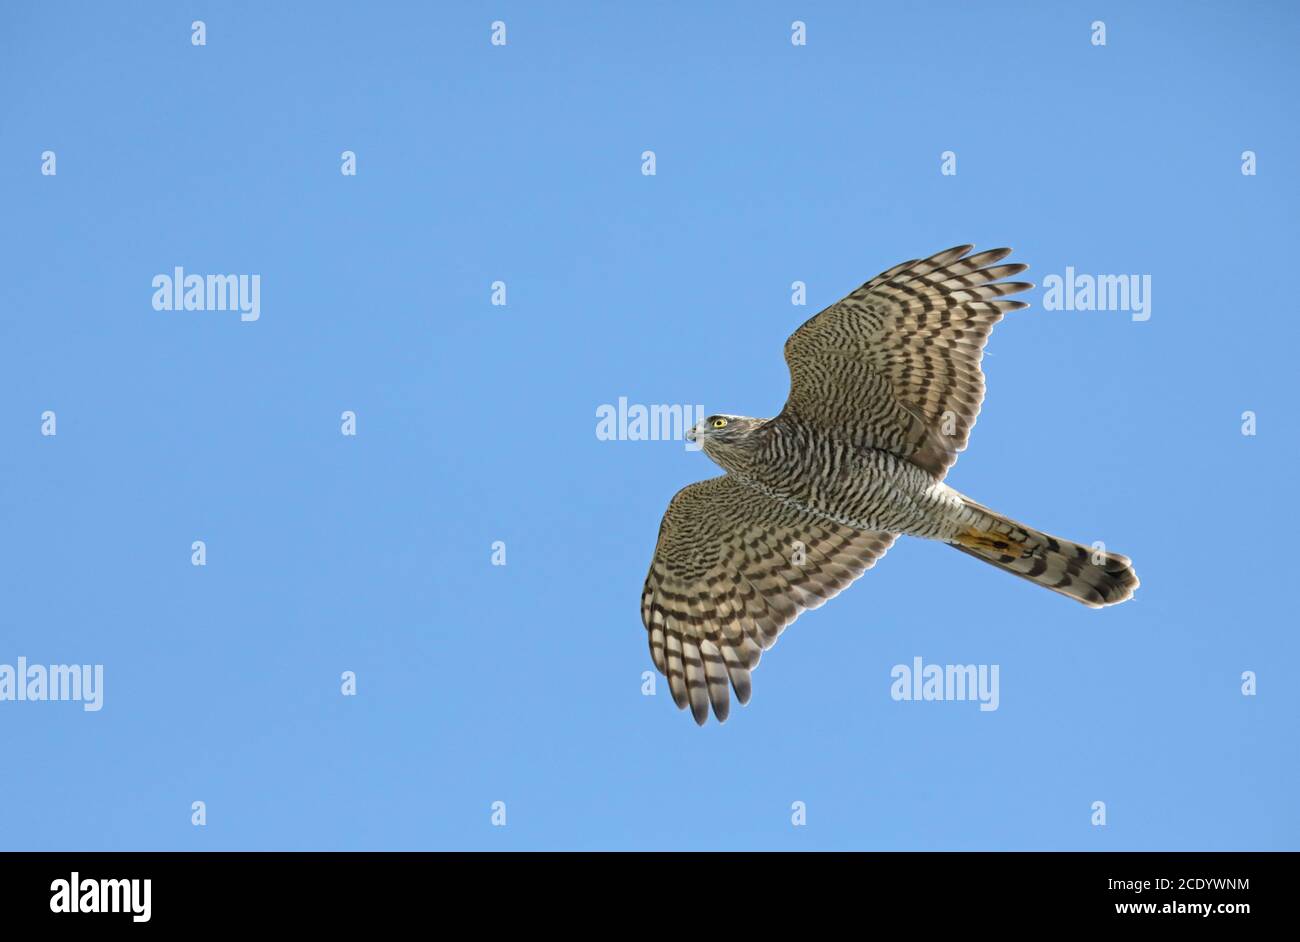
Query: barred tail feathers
(1092,576)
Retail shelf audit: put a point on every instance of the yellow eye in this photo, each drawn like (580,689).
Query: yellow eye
(719,423)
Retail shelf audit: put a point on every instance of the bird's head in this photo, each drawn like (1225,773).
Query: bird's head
(727,439)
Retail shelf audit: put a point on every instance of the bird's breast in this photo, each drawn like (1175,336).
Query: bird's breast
(866,489)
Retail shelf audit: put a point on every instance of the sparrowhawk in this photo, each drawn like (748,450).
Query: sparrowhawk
(885,385)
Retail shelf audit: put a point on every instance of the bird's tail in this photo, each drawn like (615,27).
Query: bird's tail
(1091,576)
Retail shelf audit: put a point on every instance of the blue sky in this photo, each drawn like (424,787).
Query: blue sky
(476,423)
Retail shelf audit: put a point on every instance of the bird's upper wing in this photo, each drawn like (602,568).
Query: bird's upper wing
(728,576)
(896,364)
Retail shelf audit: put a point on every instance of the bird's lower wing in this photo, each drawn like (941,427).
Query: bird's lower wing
(731,570)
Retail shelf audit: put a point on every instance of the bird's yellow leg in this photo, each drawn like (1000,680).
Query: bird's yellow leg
(976,539)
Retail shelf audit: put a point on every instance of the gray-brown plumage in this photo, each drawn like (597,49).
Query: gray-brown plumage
(885,386)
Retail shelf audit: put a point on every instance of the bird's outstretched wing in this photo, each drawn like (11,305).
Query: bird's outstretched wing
(896,364)
(731,570)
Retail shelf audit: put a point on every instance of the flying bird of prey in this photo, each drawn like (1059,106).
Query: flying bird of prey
(885,385)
